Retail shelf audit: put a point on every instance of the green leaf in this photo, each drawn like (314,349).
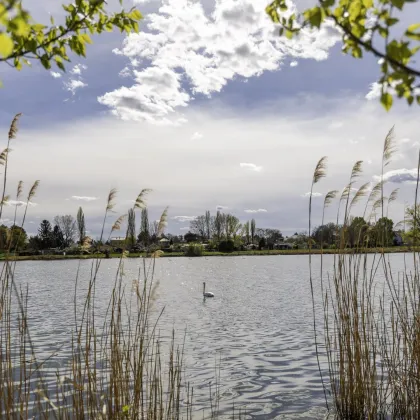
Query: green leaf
(6,45)
(418,99)
(314,16)
(367,3)
(289,34)
(383,32)
(386,100)
(398,3)
(413,27)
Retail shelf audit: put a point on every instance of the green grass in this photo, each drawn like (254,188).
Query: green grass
(390,250)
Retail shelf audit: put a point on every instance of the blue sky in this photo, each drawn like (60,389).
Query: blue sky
(181,107)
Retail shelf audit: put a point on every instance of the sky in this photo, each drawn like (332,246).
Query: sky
(209,108)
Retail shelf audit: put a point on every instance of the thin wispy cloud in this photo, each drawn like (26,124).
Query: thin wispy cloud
(255,211)
(183,219)
(206,50)
(78,69)
(196,136)
(220,208)
(314,194)
(83,198)
(251,167)
(20,203)
(73,85)
(184,228)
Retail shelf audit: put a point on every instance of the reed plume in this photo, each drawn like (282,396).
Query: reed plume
(163,221)
(140,202)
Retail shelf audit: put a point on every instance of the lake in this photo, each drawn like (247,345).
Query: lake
(256,333)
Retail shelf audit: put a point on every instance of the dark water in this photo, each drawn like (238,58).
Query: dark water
(256,333)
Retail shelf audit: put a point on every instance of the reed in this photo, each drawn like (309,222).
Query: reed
(371,315)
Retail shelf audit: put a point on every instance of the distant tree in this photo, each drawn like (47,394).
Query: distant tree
(45,234)
(4,237)
(18,238)
(253,230)
(232,226)
(218,226)
(67,225)
(81,227)
(57,237)
(262,243)
(325,235)
(246,232)
(227,246)
(384,232)
(144,235)
(209,225)
(199,226)
(356,232)
(154,231)
(34,243)
(273,236)
(131,228)
(190,237)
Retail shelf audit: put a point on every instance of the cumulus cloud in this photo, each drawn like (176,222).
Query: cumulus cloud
(206,51)
(83,198)
(398,176)
(55,74)
(73,85)
(183,219)
(255,211)
(251,166)
(78,69)
(294,63)
(125,72)
(314,194)
(196,136)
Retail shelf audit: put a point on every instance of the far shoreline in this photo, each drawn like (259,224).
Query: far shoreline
(391,250)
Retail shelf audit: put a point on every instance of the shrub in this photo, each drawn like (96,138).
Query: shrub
(226,246)
(194,250)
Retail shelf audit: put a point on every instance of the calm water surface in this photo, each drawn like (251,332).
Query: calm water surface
(256,333)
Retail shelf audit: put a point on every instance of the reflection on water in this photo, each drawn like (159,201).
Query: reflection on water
(255,336)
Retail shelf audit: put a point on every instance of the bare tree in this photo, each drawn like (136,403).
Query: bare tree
(81,226)
(199,226)
(208,224)
(218,226)
(131,228)
(67,225)
(246,232)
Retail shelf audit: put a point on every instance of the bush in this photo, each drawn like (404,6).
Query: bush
(226,246)
(194,250)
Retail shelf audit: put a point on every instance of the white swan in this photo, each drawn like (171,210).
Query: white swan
(206,294)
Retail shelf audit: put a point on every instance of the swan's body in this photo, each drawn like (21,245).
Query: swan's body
(206,294)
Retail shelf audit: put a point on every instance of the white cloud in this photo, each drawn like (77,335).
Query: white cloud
(125,72)
(314,194)
(196,136)
(251,166)
(78,69)
(82,198)
(399,176)
(374,92)
(20,203)
(183,219)
(255,211)
(55,74)
(206,51)
(294,63)
(72,85)
(184,228)
(335,125)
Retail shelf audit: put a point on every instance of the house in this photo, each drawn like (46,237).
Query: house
(164,243)
(118,242)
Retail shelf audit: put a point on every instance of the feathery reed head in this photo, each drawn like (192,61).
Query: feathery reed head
(361,192)
(376,190)
(393,196)
(3,156)
(330,197)
(356,170)
(140,202)
(32,191)
(117,223)
(389,147)
(14,126)
(320,170)
(5,199)
(345,193)
(19,190)
(111,197)
(163,221)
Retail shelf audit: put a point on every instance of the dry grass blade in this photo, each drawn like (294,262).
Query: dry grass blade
(111,199)
(163,221)
(393,196)
(141,199)
(14,126)
(389,147)
(320,170)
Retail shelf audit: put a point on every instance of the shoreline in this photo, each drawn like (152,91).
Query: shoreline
(392,250)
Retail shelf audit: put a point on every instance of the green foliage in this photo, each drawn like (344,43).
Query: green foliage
(22,39)
(194,250)
(365,25)
(226,246)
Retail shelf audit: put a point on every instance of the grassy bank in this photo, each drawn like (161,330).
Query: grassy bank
(391,250)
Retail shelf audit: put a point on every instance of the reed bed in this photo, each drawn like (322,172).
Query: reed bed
(371,315)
